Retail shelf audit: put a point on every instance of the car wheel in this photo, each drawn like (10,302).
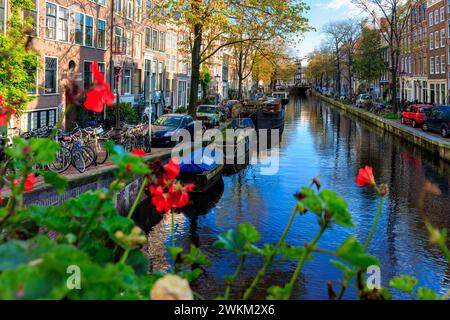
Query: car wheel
(425,127)
(414,124)
(444,132)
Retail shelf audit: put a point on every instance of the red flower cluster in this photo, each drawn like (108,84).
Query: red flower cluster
(28,184)
(101,94)
(167,193)
(137,153)
(365,177)
(5,112)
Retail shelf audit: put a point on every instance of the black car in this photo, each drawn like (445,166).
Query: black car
(438,120)
(167,125)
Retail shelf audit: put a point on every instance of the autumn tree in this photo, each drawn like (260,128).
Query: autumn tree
(393,16)
(320,68)
(351,31)
(215,24)
(18,60)
(334,42)
(369,62)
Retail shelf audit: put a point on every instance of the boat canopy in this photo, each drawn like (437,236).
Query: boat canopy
(242,123)
(201,160)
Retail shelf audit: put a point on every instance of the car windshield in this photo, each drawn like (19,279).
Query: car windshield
(206,109)
(168,121)
(425,110)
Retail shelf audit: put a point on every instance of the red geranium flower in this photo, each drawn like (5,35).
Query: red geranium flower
(5,113)
(179,194)
(138,153)
(365,177)
(29,182)
(101,94)
(161,200)
(172,169)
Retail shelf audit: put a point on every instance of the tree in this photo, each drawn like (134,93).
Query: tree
(215,24)
(321,66)
(205,80)
(369,62)
(351,30)
(18,60)
(393,26)
(334,41)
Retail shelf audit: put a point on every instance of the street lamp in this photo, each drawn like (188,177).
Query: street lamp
(217,89)
(117,72)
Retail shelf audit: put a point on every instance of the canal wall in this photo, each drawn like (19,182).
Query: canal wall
(98,178)
(435,144)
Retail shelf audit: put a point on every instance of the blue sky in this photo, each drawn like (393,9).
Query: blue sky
(322,12)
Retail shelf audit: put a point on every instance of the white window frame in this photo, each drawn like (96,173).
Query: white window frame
(436,16)
(442,38)
(129,43)
(431,65)
(57,76)
(430,15)
(443,64)
(442,14)
(83,29)
(57,24)
(437,65)
(139,11)
(130,83)
(37,17)
(56,21)
(137,53)
(93,31)
(104,34)
(431,41)
(129,14)
(121,38)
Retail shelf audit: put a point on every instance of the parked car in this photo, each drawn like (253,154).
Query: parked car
(210,115)
(167,125)
(438,120)
(363,100)
(415,114)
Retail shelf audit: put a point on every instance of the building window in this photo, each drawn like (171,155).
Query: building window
(442,14)
(431,19)
(137,46)
(29,15)
(148,38)
(89,31)
(431,41)
(79,27)
(87,74)
(436,16)
(118,40)
(437,65)
(436,40)
(119,6)
(101,34)
(127,43)
(127,81)
(148,8)
(63,24)
(443,64)
(129,13)
(101,2)
(50,21)
(155,40)
(138,10)
(431,65)
(51,75)
(443,38)
(32,77)
(162,41)
(38,119)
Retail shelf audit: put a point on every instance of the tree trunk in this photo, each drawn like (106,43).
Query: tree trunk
(195,66)
(350,76)
(394,82)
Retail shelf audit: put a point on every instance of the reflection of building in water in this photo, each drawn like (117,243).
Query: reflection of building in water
(158,236)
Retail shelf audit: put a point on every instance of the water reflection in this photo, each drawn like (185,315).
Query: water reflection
(322,141)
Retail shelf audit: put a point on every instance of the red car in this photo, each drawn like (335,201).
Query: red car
(415,113)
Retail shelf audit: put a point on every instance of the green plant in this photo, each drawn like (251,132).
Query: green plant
(127,114)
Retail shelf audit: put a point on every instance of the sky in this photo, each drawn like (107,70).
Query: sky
(322,12)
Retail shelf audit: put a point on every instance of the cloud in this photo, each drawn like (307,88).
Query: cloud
(345,6)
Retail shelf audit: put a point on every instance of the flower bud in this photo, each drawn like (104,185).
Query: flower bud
(171,287)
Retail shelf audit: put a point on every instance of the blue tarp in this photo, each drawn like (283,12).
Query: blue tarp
(242,123)
(200,160)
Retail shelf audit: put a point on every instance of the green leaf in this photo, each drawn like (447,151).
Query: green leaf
(192,275)
(195,256)
(174,252)
(292,252)
(311,201)
(249,232)
(351,251)
(139,262)
(403,283)
(57,181)
(44,150)
(337,207)
(279,293)
(427,294)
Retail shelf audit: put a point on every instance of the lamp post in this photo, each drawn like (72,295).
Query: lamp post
(117,72)
(217,89)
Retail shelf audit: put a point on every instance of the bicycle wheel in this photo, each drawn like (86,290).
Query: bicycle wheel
(78,161)
(62,161)
(88,155)
(101,152)
(129,144)
(147,144)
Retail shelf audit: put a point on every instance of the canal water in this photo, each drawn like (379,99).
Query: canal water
(321,141)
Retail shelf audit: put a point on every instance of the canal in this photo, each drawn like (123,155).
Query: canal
(318,140)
